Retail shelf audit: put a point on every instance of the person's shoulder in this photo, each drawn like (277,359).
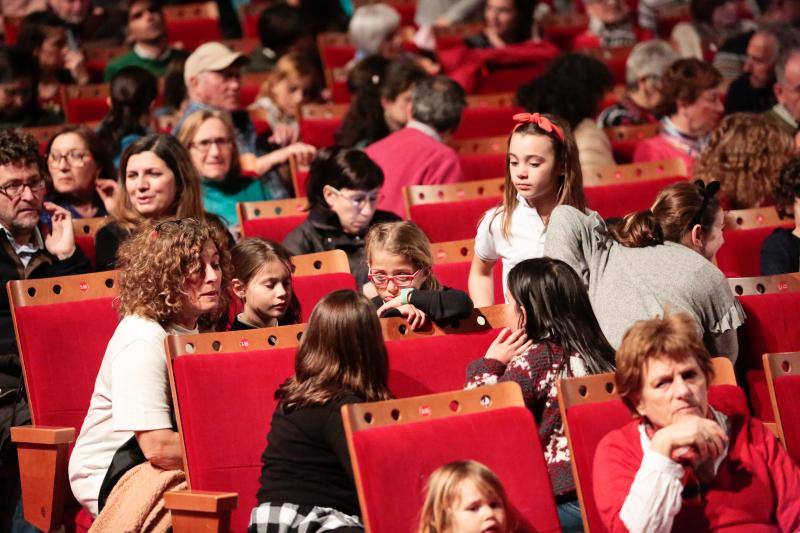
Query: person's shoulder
(781,236)
(138,329)
(384,216)
(567,213)
(113,230)
(625,437)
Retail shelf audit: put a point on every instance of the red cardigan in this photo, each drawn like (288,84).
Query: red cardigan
(756,489)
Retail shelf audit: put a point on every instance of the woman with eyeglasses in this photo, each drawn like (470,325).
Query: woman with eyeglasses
(651,260)
(401,271)
(344,186)
(209,138)
(157,181)
(82,172)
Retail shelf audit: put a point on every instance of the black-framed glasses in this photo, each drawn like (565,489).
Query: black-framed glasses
(360,199)
(14,189)
(205,145)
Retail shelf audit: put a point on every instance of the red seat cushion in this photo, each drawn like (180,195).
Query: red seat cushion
(434,364)
(319,131)
(225,431)
(477,122)
(312,289)
(337,56)
(772,325)
(86,109)
(193,32)
(758,394)
(395,462)
(451,221)
(619,199)
(456,276)
(87,246)
(787,398)
(275,229)
(483,166)
(741,254)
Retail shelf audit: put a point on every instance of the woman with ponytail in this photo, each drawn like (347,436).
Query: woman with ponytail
(652,260)
(132,92)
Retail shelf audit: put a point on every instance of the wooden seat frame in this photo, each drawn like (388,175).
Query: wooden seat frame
(765,284)
(777,365)
(634,172)
(757,217)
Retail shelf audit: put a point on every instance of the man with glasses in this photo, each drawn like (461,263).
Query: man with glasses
(147,35)
(26,251)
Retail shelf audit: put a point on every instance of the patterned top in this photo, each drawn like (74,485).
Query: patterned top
(537,371)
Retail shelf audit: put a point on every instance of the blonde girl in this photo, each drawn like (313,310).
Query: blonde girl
(288,87)
(262,279)
(542,171)
(400,270)
(464,497)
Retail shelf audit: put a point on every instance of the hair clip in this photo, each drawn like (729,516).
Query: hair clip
(708,191)
(540,120)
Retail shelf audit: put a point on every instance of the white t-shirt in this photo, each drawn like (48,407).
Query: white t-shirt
(131,393)
(526,237)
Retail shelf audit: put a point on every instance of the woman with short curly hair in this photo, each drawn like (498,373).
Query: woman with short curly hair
(745,154)
(780,253)
(173,276)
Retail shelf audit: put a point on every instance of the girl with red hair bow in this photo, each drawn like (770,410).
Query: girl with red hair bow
(542,171)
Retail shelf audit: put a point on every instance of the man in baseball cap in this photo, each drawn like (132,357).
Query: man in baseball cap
(213,82)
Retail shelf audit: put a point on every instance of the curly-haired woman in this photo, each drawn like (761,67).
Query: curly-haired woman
(745,154)
(173,277)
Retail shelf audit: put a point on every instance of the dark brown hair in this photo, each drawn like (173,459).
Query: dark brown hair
(17,148)
(341,352)
(96,145)
(788,187)
(674,210)
(249,255)
(684,81)
(675,337)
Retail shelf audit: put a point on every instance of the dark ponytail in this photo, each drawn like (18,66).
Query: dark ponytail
(638,230)
(132,91)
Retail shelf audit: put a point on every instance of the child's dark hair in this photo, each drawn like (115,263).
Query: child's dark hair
(249,255)
(557,308)
(364,119)
(341,352)
(132,92)
(280,26)
(341,168)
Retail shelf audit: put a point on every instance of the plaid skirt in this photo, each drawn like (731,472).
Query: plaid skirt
(292,518)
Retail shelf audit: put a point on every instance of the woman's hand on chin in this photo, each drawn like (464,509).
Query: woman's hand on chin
(690,435)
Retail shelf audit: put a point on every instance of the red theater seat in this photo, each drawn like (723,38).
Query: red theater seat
(86,103)
(772,326)
(617,200)
(783,378)
(421,434)
(192,24)
(451,212)
(436,359)
(50,319)
(452,261)
(625,138)
(740,256)
(481,121)
(85,230)
(224,440)
(316,275)
(271,219)
(320,122)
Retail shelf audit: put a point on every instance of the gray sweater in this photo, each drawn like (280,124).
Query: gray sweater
(629,284)
(454,11)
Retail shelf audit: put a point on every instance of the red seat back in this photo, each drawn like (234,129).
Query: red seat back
(772,326)
(477,122)
(482,166)
(508,78)
(311,289)
(787,398)
(224,432)
(456,276)
(89,109)
(740,256)
(451,221)
(87,246)
(275,229)
(393,490)
(52,346)
(193,32)
(319,131)
(619,199)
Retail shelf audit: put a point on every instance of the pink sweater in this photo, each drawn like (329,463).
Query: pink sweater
(410,157)
(657,149)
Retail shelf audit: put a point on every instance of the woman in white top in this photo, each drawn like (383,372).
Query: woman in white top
(542,171)
(172,281)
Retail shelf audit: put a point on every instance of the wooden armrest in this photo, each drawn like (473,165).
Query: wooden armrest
(200,510)
(42,453)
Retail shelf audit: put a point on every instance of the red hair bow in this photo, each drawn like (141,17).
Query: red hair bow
(543,122)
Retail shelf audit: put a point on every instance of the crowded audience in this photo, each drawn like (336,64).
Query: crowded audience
(201,170)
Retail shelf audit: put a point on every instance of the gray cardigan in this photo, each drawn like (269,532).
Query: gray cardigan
(629,284)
